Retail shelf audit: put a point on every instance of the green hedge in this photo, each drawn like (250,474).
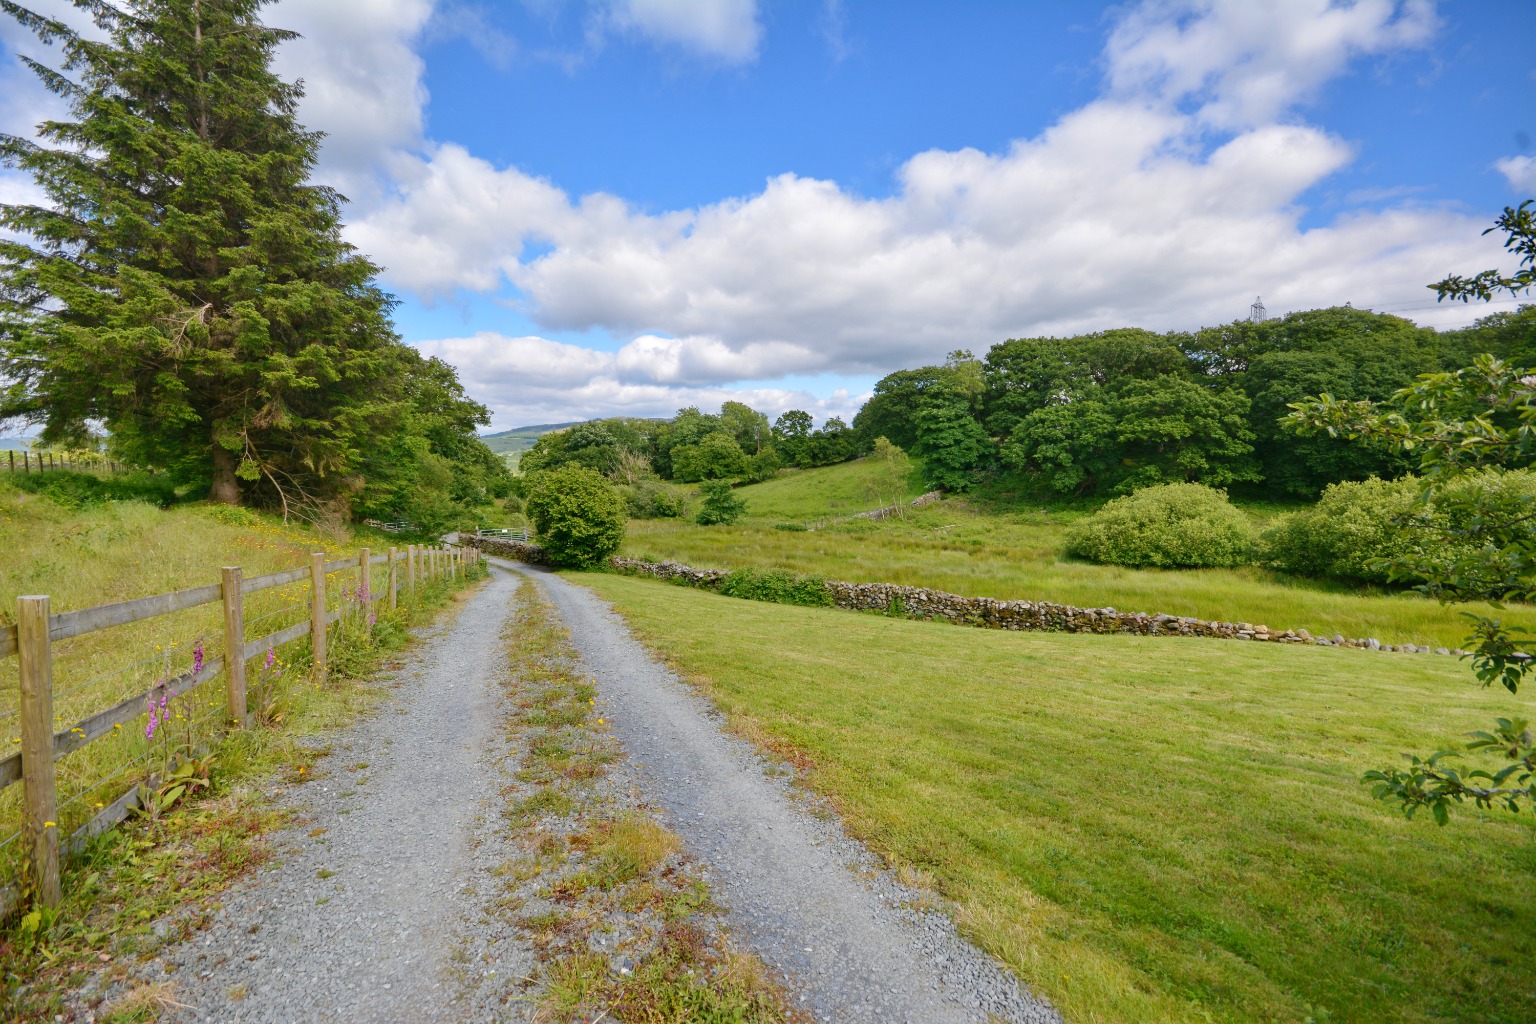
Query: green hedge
(777,585)
(78,490)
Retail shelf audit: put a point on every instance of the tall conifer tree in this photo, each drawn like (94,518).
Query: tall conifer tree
(188,286)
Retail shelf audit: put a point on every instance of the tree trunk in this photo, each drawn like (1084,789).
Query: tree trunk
(226,488)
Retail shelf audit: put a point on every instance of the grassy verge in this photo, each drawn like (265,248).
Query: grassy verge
(91,553)
(963,549)
(622,922)
(129,878)
(1144,829)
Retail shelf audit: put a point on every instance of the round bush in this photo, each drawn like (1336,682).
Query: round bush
(1353,526)
(1360,530)
(579,519)
(1171,526)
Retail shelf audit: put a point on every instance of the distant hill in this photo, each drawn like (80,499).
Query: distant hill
(520,439)
(16,444)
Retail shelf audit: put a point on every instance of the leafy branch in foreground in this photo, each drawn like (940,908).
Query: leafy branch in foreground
(1519,227)
(1474,432)
(1429,784)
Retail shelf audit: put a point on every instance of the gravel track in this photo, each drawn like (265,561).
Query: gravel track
(391,930)
(375,908)
(801,894)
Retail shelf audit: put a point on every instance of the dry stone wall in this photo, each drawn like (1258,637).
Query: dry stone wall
(986,612)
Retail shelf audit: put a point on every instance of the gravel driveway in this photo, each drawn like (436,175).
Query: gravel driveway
(801,894)
(375,909)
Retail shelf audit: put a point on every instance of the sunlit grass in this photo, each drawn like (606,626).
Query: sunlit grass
(1019,555)
(122,550)
(1144,829)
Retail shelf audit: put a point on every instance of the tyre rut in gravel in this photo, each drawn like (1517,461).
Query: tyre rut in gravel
(373,911)
(801,894)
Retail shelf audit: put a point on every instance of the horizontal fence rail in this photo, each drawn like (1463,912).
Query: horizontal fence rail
(37,629)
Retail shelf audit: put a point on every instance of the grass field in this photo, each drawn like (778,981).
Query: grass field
(1145,829)
(981,551)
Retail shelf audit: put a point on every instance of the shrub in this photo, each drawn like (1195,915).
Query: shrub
(1351,531)
(650,499)
(1360,531)
(1170,526)
(579,519)
(79,490)
(231,515)
(777,585)
(720,504)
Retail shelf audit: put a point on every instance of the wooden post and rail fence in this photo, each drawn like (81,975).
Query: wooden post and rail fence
(38,628)
(46,462)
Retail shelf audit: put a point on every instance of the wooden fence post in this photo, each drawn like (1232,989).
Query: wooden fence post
(13,462)
(317,612)
(394,575)
(410,569)
(365,577)
(36,656)
(26,462)
(234,646)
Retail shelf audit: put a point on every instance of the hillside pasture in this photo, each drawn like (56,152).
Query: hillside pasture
(120,550)
(1017,552)
(1144,829)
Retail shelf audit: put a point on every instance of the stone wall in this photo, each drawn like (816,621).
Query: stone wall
(518,550)
(986,612)
(893,510)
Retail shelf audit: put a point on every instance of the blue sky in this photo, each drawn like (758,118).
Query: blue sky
(603,207)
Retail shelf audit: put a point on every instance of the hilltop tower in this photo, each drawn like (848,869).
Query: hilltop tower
(1256,311)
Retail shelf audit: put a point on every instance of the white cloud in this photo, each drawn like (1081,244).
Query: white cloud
(1168,202)
(726,30)
(1520,172)
(1106,218)
(535,380)
(362,81)
(1249,61)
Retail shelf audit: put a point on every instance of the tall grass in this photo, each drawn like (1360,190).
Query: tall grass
(100,552)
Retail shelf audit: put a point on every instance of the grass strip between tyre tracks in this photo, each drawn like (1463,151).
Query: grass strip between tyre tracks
(621,919)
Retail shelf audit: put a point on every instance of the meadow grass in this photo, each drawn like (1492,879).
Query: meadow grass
(801,495)
(1143,829)
(1016,552)
(118,550)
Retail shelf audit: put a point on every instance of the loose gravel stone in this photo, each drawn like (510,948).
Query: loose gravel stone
(801,894)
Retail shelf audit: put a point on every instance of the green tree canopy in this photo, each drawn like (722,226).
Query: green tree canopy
(892,410)
(187,285)
(952,444)
(716,456)
(1166,430)
(1026,374)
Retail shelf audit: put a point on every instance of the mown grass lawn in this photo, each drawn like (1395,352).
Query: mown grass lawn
(984,551)
(1144,829)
